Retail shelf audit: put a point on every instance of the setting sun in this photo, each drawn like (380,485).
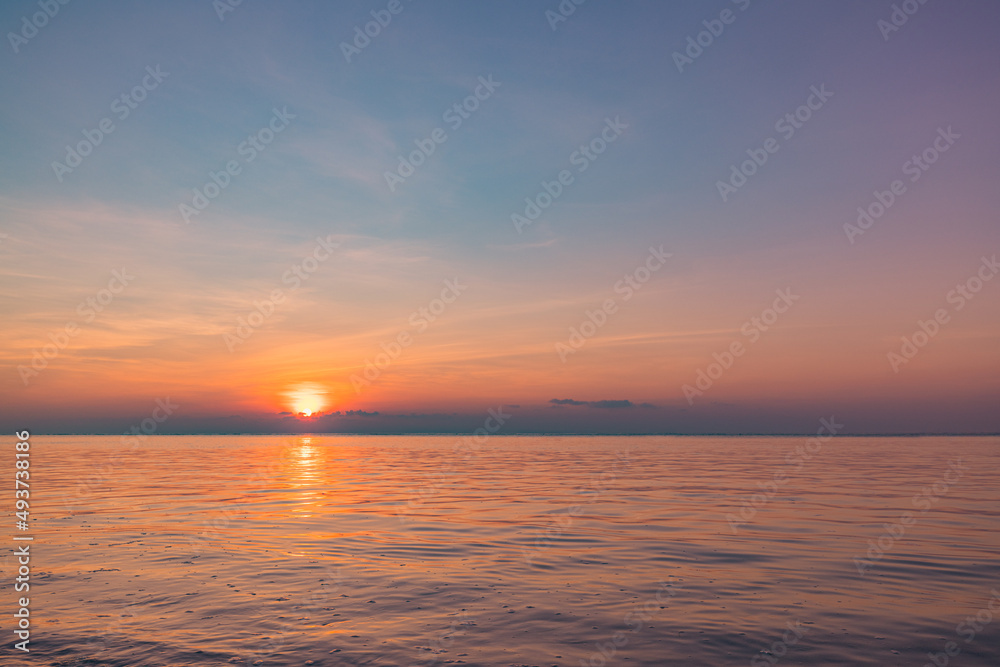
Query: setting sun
(307,398)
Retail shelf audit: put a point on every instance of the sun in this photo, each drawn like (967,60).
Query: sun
(307,398)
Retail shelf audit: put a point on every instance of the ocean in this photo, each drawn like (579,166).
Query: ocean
(514,550)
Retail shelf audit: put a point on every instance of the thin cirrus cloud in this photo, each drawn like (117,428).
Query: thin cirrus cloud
(606,404)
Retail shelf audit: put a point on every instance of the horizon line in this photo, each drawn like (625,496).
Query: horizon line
(542,433)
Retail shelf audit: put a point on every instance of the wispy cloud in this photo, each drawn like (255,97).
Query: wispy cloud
(603,405)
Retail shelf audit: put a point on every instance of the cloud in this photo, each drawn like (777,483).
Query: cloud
(327,415)
(612,404)
(605,404)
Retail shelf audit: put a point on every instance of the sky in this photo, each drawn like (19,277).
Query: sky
(414,216)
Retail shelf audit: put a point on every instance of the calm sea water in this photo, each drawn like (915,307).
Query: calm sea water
(334,550)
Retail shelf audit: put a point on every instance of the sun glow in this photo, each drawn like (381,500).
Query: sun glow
(307,398)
